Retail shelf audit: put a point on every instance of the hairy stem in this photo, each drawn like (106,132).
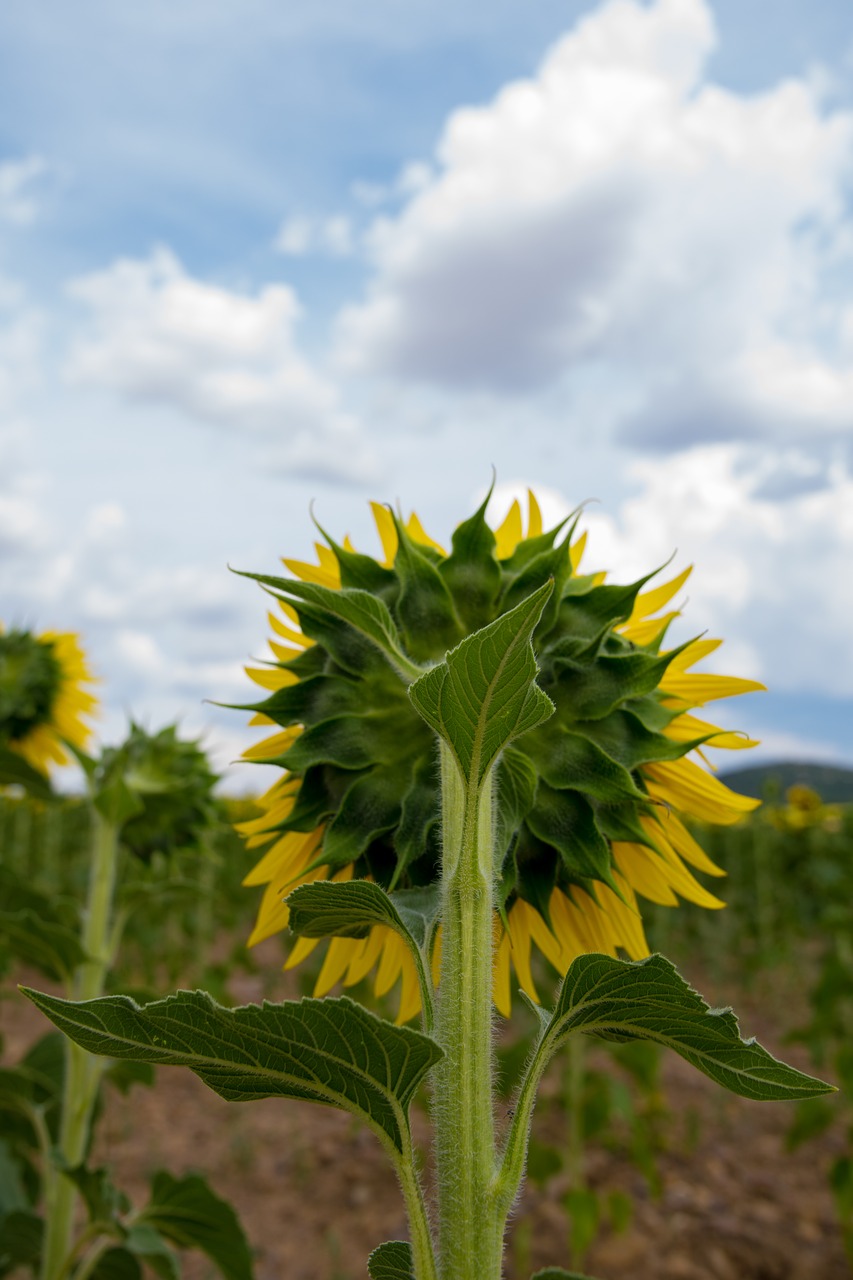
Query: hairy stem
(470,1234)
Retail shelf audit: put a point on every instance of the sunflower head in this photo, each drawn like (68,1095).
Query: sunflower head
(44,701)
(585,802)
(160,790)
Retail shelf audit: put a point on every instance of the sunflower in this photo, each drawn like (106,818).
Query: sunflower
(590,805)
(43,697)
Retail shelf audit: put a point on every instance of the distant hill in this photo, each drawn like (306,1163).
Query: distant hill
(833,783)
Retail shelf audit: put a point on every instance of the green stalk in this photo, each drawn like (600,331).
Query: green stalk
(82,1070)
(470,1232)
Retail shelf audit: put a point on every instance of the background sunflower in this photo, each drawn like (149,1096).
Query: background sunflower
(44,699)
(588,804)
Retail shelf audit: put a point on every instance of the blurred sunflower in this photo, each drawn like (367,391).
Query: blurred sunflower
(589,805)
(43,696)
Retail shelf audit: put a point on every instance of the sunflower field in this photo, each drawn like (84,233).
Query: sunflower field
(491,791)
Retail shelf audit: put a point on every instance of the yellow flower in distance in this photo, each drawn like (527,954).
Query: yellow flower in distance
(589,805)
(43,696)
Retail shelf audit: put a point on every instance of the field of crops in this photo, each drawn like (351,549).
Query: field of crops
(637,1166)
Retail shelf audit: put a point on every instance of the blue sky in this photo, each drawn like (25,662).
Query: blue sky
(253,255)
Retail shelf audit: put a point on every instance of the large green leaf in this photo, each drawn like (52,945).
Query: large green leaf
(483,695)
(649,1000)
(330,1051)
(350,909)
(191,1215)
(392,1261)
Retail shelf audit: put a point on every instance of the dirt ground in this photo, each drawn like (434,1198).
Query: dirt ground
(315,1195)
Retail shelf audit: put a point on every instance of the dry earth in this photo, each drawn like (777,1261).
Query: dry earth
(315,1195)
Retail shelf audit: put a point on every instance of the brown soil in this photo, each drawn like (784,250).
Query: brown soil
(315,1194)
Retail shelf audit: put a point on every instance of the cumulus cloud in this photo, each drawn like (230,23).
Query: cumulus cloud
(159,336)
(617,212)
(771,571)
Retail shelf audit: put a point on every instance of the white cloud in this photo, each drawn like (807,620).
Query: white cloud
(617,212)
(771,576)
(301,235)
(159,336)
(17,178)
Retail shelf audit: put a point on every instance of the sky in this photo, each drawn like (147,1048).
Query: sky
(255,256)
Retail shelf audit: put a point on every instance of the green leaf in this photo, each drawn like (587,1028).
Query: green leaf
(330,1051)
(21,1236)
(392,1261)
(16,771)
(146,1242)
(351,908)
(117,803)
(557,1273)
(103,1200)
(116,1263)
(483,695)
(13,1195)
(360,609)
(187,1212)
(649,1000)
(44,942)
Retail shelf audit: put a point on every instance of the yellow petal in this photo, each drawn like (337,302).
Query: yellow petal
(286,857)
(677,835)
(386,530)
(273,747)
(338,957)
(519,936)
(410,992)
(576,551)
(364,960)
(642,874)
(328,561)
(695,689)
(271,677)
(685,728)
(312,573)
(690,655)
(390,964)
(300,952)
(508,533)
(534,516)
(625,920)
(649,602)
(418,533)
(696,793)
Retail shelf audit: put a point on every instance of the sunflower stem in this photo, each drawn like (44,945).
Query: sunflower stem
(470,1230)
(82,1070)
